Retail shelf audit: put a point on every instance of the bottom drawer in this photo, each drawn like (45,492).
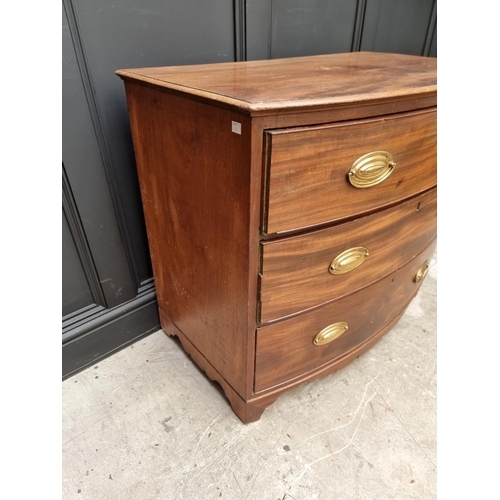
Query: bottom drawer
(296,347)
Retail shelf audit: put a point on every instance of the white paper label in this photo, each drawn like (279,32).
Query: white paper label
(236,127)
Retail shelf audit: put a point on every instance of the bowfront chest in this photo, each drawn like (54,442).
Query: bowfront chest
(290,206)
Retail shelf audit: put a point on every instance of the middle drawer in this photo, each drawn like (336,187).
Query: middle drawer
(301,272)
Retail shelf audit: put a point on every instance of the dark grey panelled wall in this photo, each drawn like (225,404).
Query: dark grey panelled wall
(287,28)
(108,289)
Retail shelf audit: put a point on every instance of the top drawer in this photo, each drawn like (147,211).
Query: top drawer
(308,179)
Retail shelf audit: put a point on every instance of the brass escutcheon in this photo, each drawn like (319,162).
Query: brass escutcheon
(371,169)
(422,272)
(348,260)
(330,333)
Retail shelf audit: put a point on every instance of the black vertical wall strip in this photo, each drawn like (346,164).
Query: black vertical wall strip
(94,112)
(240,39)
(426,51)
(358,25)
(270,30)
(71,211)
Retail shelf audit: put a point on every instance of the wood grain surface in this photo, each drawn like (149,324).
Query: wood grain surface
(307,181)
(295,274)
(224,149)
(194,175)
(301,82)
(286,351)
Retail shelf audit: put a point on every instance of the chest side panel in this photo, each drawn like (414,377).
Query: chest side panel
(193,162)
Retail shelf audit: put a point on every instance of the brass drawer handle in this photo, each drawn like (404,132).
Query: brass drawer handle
(371,169)
(330,333)
(348,260)
(422,272)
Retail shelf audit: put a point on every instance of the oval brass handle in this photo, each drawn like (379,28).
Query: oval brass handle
(330,333)
(422,272)
(371,169)
(348,260)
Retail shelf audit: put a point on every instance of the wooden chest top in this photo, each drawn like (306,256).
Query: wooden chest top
(314,82)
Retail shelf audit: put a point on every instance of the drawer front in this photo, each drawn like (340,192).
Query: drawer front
(286,351)
(304,271)
(307,169)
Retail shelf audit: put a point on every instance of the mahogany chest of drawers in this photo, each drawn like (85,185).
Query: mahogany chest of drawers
(290,207)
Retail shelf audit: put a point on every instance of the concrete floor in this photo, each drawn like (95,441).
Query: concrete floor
(146,423)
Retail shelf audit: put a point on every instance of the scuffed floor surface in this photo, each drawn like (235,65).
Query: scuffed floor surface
(147,424)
